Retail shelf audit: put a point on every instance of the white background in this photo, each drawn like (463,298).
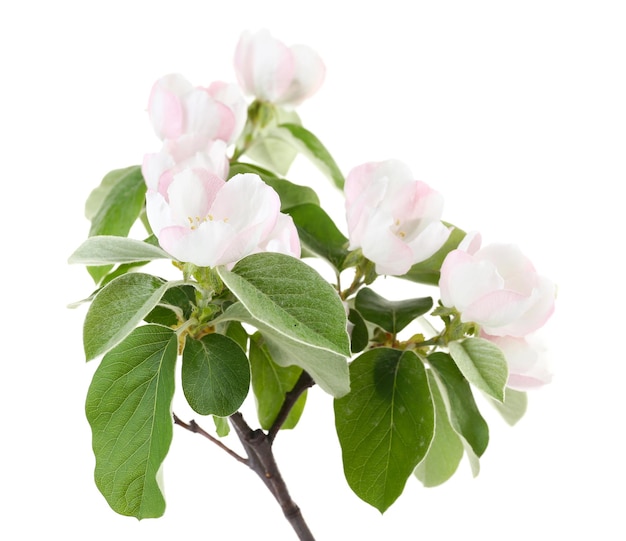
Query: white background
(514,111)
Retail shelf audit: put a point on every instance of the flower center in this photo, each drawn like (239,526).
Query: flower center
(195,221)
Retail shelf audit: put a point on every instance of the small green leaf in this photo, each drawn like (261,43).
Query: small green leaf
(236,332)
(457,394)
(319,234)
(114,207)
(427,272)
(128,408)
(273,152)
(385,424)
(392,316)
(310,146)
(105,249)
(118,308)
(359,337)
(446,450)
(514,406)
(221,426)
(174,307)
(215,375)
(483,365)
(270,383)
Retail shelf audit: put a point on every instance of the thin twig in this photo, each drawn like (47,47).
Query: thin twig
(197,429)
(304,382)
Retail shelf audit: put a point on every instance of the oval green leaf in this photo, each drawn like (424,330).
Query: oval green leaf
(392,316)
(483,364)
(385,424)
(128,408)
(215,375)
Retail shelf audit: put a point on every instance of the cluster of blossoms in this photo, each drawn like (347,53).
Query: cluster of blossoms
(197,216)
(395,220)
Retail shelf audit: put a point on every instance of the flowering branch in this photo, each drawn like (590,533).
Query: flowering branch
(251,315)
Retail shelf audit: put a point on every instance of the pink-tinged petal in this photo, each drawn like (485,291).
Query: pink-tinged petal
(429,241)
(191,194)
(309,73)
(153,166)
(541,307)
(283,238)
(464,281)
(200,246)
(246,200)
(230,95)
(512,265)
(392,256)
(157,211)
(526,360)
(471,242)
(165,107)
(499,312)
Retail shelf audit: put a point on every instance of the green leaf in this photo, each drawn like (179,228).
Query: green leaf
(128,408)
(457,394)
(267,149)
(115,206)
(392,316)
(385,424)
(118,308)
(236,332)
(290,194)
(359,337)
(107,249)
(309,145)
(174,307)
(273,152)
(221,426)
(291,298)
(427,272)
(483,365)
(215,375)
(319,234)
(514,406)
(446,450)
(327,368)
(270,383)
